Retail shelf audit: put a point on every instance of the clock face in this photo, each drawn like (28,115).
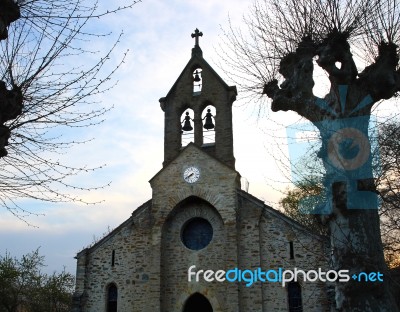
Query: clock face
(191,174)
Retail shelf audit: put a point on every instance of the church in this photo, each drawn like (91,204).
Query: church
(201,241)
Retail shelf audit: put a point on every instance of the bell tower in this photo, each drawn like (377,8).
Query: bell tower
(198,109)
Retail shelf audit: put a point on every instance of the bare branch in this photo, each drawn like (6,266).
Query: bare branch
(45,58)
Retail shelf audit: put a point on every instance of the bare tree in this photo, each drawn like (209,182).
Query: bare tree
(47,87)
(389,190)
(387,183)
(276,58)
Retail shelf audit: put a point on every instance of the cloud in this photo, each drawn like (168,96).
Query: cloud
(130,141)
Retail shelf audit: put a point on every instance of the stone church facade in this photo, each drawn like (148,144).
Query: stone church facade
(199,218)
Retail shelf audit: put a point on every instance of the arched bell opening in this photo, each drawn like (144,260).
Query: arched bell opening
(197,303)
(187,126)
(197,81)
(208,118)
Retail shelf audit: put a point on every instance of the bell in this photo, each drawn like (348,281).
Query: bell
(208,123)
(196,77)
(187,126)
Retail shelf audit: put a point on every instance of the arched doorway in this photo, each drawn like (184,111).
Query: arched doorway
(294,297)
(197,303)
(112,298)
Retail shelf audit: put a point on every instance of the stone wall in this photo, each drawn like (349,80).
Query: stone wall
(214,197)
(151,262)
(309,253)
(132,245)
(177,258)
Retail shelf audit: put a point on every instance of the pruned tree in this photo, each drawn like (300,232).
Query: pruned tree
(10,100)
(277,58)
(387,175)
(9,13)
(50,82)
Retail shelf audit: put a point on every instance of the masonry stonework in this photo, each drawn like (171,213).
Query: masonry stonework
(146,258)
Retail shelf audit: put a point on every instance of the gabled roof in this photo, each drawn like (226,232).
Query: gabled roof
(135,213)
(277,214)
(197,58)
(202,151)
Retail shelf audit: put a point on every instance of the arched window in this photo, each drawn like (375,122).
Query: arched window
(197,303)
(112,298)
(294,297)
(208,117)
(197,81)
(187,126)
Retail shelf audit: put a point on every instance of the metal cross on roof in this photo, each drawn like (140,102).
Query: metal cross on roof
(196,35)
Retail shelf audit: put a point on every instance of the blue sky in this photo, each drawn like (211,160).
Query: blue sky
(130,141)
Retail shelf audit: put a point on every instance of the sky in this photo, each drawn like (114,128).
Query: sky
(129,143)
(157,36)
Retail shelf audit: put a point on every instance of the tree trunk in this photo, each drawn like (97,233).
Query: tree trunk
(356,246)
(350,207)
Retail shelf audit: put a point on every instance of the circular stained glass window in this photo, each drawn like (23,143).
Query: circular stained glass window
(197,233)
